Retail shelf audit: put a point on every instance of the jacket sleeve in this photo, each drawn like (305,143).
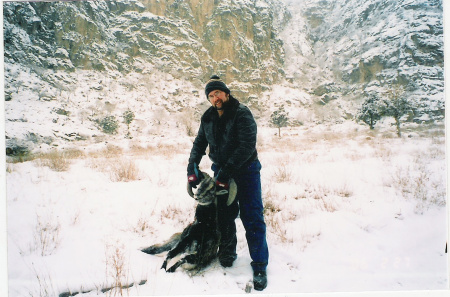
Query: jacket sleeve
(199,147)
(246,140)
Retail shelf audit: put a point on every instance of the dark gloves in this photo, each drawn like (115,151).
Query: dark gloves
(194,175)
(223,179)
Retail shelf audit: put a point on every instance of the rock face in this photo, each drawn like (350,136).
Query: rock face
(70,64)
(364,46)
(238,40)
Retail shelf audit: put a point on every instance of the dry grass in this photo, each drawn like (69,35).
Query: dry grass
(46,235)
(117,270)
(46,288)
(111,151)
(283,173)
(58,160)
(124,170)
(74,153)
(415,182)
(167,151)
(278,227)
(328,204)
(176,213)
(273,217)
(343,191)
(143,227)
(55,160)
(118,169)
(382,151)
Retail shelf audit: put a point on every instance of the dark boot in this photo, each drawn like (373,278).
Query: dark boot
(259,280)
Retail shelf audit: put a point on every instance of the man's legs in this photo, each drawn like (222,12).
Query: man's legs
(251,207)
(252,215)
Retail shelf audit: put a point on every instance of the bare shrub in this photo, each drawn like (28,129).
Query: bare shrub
(119,169)
(402,179)
(320,191)
(46,287)
(165,150)
(278,227)
(188,121)
(143,227)
(273,216)
(111,151)
(328,204)
(73,153)
(116,268)
(382,151)
(270,208)
(46,235)
(343,191)
(323,196)
(169,151)
(55,160)
(58,160)
(416,184)
(124,170)
(437,152)
(136,149)
(283,173)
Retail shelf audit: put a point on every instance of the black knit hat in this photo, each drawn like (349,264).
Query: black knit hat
(215,83)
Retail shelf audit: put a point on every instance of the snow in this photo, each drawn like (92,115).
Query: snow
(339,219)
(349,210)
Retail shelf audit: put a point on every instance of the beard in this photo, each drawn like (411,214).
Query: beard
(222,106)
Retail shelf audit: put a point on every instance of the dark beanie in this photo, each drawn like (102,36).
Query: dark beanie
(215,83)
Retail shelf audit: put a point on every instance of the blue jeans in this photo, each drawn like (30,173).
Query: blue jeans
(249,203)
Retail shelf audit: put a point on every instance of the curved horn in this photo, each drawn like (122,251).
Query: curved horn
(232,192)
(189,190)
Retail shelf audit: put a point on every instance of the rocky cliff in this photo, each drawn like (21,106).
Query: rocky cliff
(70,64)
(348,49)
(238,40)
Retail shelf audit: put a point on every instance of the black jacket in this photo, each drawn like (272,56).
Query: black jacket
(231,137)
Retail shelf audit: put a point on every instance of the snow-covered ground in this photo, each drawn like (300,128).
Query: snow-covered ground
(347,210)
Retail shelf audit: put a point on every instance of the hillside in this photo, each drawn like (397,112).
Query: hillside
(71,64)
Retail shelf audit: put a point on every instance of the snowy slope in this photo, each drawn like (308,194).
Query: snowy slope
(345,213)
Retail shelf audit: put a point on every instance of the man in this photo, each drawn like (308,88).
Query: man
(229,129)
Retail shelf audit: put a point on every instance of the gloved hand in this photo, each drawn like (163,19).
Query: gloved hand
(223,180)
(194,175)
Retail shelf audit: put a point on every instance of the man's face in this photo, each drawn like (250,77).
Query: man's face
(218,98)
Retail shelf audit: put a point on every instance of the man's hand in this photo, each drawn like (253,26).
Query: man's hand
(194,175)
(223,180)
